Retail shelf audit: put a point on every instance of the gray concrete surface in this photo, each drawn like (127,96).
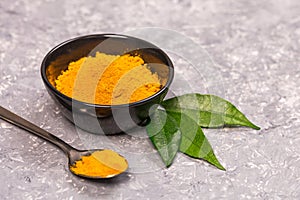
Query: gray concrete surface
(255,47)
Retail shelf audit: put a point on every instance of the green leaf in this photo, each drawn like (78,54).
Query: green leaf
(193,141)
(208,110)
(165,135)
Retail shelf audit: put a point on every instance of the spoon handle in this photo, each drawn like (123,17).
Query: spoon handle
(24,124)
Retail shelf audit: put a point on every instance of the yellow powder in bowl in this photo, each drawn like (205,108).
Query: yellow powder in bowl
(108,79)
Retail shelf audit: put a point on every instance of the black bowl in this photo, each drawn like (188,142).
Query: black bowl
(107,119)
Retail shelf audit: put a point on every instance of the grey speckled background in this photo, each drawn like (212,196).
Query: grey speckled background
(255,46)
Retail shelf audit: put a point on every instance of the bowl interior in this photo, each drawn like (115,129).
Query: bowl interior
(57,59)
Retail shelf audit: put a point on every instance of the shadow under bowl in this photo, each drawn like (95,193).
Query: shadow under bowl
(106,119)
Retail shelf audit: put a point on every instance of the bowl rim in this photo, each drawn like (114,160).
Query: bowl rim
(108,35)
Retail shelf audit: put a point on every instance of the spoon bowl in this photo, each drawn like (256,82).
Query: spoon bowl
(74,155)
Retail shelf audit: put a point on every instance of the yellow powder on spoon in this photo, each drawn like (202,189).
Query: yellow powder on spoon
(105,163)
(108,80)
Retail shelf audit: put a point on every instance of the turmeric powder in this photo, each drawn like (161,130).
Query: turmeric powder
(108,79)
(105,163)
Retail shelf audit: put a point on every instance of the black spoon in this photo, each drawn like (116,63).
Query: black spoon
(73,154)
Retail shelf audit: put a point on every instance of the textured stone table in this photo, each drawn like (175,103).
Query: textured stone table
(255,46)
